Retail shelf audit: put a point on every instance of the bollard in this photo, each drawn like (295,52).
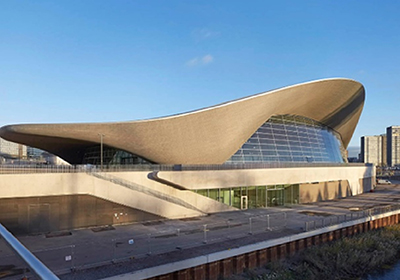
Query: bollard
(114,244)
(72,258)
(285,215)
(205,234)
(268,227)
(250,227)
(148,244)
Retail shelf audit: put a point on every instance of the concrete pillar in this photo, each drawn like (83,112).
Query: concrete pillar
(337,234)
(213,271)
(331,236)
(282,251)
(324,238)
(262,257)
(316,240)
(251,260)
(366,228)
(371,225)
(350,231)
(355,229)
(309,242)
(238,264)
(360,228)
(226,268)
(182,275)
(343,232)
(291,248)
(272,254)
(300,244)
(198,272)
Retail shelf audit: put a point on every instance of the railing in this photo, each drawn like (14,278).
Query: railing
(39,269)
(26,169)
(140,244)
(134,245)
(338,219)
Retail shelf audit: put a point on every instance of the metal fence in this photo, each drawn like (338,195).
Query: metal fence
(43,168)
(137,245)
(355,215)
(71,257)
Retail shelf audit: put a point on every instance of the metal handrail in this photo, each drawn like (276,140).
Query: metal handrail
(34,263)
(27,169)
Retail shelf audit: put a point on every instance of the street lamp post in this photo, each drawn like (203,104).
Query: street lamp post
(101,151)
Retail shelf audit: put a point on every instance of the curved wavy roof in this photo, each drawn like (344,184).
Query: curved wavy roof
(206,136)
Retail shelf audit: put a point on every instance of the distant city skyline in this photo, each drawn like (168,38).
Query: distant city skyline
(73,61)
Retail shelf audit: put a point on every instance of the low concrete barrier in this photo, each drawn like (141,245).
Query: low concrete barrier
(234,261)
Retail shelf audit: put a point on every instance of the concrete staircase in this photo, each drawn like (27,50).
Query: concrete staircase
(144,190)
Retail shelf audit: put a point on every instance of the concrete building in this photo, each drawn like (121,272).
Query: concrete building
(281,147)
(393,145)
(373,149)
(11,150)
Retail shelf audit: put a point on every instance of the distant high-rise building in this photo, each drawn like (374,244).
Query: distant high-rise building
(373,149)
(393,145)
(12,150)
(384,149)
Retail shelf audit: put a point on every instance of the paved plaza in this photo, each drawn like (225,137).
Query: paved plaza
(103,252)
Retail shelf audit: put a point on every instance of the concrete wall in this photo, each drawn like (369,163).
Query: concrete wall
(195,180)
(350,180)
(223,264)
(55,213)
(35,185)
(204,204)
(324,191)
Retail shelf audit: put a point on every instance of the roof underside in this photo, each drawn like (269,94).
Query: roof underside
(206,136)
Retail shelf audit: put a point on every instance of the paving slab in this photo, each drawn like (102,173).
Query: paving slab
(105,252)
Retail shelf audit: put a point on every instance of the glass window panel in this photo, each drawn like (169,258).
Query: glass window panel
(292,136)
(214,194)
(269,141)
(261,196)
(250,146)
(269,153)
(281,142)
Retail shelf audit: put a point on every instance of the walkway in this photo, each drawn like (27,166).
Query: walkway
(104,252)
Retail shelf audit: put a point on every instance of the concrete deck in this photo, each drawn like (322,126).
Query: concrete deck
(137,247)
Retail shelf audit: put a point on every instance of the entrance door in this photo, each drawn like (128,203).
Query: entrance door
(243,202)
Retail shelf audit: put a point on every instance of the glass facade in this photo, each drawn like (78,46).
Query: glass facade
(288,138)
(248,197)
(111,156)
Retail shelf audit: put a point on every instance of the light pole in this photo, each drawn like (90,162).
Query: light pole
(101,151)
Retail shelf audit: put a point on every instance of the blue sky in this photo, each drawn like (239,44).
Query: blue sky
(95,61)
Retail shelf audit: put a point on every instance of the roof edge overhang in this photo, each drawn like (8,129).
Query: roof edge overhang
(205,136)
